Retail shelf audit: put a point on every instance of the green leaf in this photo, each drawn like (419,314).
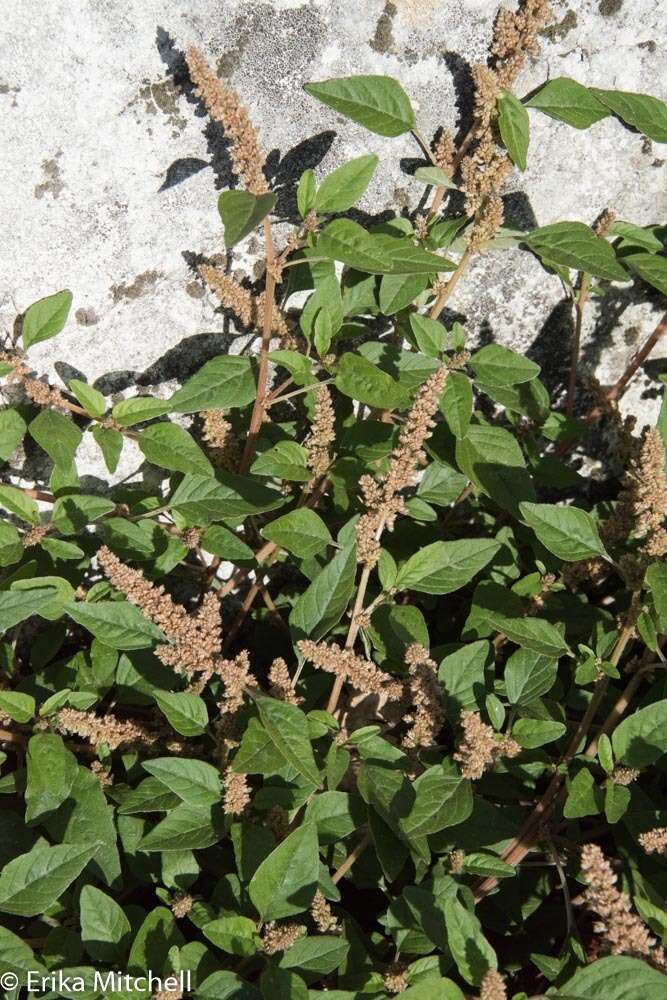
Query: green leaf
(442,800)
(650,268)
(202,499)
(335,814)
(234,934)
(430,336)
(18,706)
(91,400)
(456,403)
(285,882)
(472,953)
(492,459)
(31,883)
(345,185)
(51,770)
(495,609)
(574,244)
(443,567)
(532,733)
(569,532)
(15,501)
(139,408)
(643,237)
(306,192)
(286,460)
(17,605)
(616,977)
(656,581)
(528,676)
(220,541)
(110,443)
(514,126)
(500,366)
(641,738)
(241,212)
(641,111)
(322,604)
(223,383)
(400,290)
(72,513)
(319,954)
(434,176)
(379,103)
(115,623)
(194,781)
(186,712)
(375,253)
(57,435)
(461,674)
(11,544)
(18,957)
(568,101)
(257,753)
(105,930)
(185,828)
(171,447)
(486,865)
(360,379)
(441,484)
(12,431)
(45,318)
(287,727)
(301,532)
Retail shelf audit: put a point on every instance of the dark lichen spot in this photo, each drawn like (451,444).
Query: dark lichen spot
(658,163)
(647,146)
(649,44)
(383,39)
(609,7)
(142,284)
(557,32)
(195,290)
(6,88)
(631,335)
(52,183)
(86,317)
(230,60)
(161,97)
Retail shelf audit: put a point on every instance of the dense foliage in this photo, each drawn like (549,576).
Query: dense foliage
(365,694)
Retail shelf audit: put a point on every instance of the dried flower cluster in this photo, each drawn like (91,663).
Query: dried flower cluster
(654,841)
(224,106)
(323,918)
(195,647)
(515,36)
(492,986)
(622,929)
(223,445)
(279,937)
(362,674)
(247,307)
(237,792)
(107,730)
(396,979)
(322,435)
(480,747)
(425,694)
(280,683)
(382,499)
(181,905)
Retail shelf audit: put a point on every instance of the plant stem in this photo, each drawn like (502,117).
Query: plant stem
(258,409)
(353,856)
(445,293)
(530,830)
(580,304)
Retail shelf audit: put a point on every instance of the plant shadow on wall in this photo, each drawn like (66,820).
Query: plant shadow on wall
(357,687)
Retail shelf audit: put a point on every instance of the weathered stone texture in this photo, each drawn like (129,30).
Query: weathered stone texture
(110,170)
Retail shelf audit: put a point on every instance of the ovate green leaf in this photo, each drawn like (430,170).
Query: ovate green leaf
(379,103)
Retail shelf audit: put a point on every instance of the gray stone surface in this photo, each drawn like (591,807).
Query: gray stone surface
(110,170)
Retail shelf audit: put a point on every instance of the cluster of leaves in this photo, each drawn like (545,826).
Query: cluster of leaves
(132,856)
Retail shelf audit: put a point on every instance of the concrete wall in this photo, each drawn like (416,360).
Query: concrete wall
(109,169)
